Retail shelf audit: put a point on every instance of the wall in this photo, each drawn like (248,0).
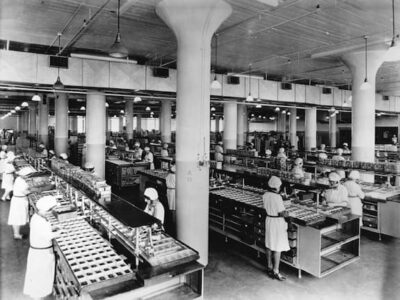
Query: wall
(9,123)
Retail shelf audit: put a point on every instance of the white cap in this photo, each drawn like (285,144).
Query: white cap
(146,148)
(333,176)
(354,175)
(52,152)
(26,171)
(137,144)
(268,152)
(281,150)
(172,168)
(41,146)
(339,151)
(64,156)
(46,203)
(341,173)
(3,155)
(345,144)
(89,165)
(165,146)
(4,147)
(220,143)
(274,183)
(298,161)
(151,193)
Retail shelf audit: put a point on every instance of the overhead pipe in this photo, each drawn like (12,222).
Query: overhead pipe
(83,28)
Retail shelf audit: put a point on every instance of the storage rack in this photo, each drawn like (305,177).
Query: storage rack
(121,173)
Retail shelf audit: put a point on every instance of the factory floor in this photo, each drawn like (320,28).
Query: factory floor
(232,272)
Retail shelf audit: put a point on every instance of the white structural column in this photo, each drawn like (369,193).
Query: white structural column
(165,119)
(310,128)
(217,123)
(193,22)
(18,116)
(129,118)
(121,124)
(138,124)
(230,125)
(398,126)
(332,130)
(363,103)
(245,123)
(107,125)
(44,121)
(73,126)
(32,119)
(95,132)
(61,131)
(24,123)
(241,124)
(293,128)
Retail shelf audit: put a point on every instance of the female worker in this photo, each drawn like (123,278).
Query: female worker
(170,183)
(339,155)
(337,195)
(298,168)
(8,176)
(276,237)
(281,153)
(19,207)
(148,157)
(219,152)
(40,267)
(355,193)
(154,206)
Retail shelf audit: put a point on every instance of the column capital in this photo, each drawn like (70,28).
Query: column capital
(193,20)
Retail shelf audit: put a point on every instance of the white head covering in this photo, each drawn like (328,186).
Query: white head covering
(165,146)
(42,146)
(151,193)
(52,152)
(341,173)
(298,161)
(10,155)
(354,175)
(345,145)
(46,203)
(64,156)
(137,144)
(220,143)
(25,171)
(333,176)
(268,152)
(3,155)
(339,151)
(281,150)
(9,168)
(173,168)
(146,148)
(274,183)
(4,147)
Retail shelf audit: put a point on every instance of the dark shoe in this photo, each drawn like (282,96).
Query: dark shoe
(270,273)
(279,276)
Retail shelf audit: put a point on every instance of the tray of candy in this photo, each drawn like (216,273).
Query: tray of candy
(91,261)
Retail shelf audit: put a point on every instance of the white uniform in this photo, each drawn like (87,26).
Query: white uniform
(276,237)
(355,196)
(157,211)
(149,158)
(164,153)
(281,155)
(170,183)
(298,171)
(138,153)
(338,157)
(2,167)
(218,153)
(8,177)
(40,267)
(334,197)
(19,207)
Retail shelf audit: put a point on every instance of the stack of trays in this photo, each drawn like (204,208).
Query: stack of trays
(92,262)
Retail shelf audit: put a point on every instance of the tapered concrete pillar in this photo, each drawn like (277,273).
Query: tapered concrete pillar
(165,119)
(108,126)
(129,118)
(284,123)
(230,125)
(363,103)
(44,121)
(293,128)
(121,124)
(61,130)
(193,22)
(332,131)
(139,124)
(32,119)
(241,138)
(95,132)
(217,123)
(310,128)
(73,126)
(18,116)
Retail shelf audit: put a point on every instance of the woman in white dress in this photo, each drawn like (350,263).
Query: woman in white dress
(355,193)
(170,182)
(19,207)
(8,177)
(40,267)
(276,237)
(148,157)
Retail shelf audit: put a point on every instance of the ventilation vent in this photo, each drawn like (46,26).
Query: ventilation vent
(233,80)
(326,91)
(59,62)
(161,72)
(386,98)
(286,86)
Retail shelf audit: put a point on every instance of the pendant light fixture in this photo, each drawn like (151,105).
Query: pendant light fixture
(117,49)
(365,85)
(215,84)
(58,85)
(137,99)
(36,97)
(393,53)
(24,104)
(249,96)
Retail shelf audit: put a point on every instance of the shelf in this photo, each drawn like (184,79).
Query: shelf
(335,239)
(369,215)
(336,260)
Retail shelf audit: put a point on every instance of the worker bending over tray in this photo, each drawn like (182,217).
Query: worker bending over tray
(337,194)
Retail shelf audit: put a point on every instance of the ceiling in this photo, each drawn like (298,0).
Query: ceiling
(276,41)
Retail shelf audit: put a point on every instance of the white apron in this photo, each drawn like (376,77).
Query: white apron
(8,181)
(19,211)
(40,269)
(170,183)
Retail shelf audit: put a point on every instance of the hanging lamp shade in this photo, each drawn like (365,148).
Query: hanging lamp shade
(36,97)
(365,85)
(137,99)
(148,108)
(82,108)
(17,108)
(118,50)
(24,104)
(58,85)
(215,84)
